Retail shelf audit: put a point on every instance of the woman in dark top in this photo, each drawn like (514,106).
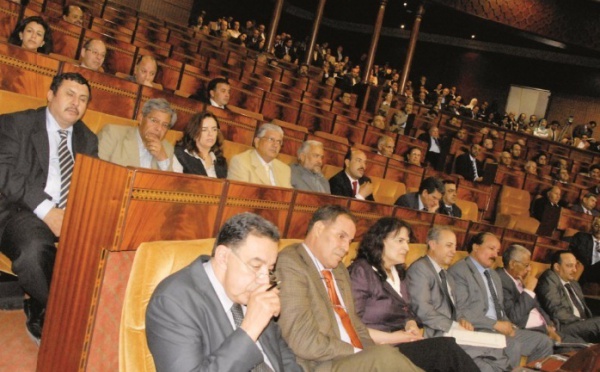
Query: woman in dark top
(382,300)
(199,151)
(33,34)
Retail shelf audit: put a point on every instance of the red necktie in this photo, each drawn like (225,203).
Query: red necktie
(354,187)
(337,307)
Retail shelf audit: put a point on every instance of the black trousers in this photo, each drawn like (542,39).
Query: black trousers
(29,243)
(438,354)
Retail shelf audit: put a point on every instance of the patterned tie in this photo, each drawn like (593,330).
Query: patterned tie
(337,307)
(238,316)
(535,312)
(447,293)
(575,300)
(475,169)
(66,168)
(354,187)
(490,284)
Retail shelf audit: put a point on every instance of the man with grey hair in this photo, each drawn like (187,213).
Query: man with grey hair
(143,146)
(385,146)
(260,165)
(307,173)
(518,285)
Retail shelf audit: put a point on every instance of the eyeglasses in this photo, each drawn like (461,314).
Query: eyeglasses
(258,271)
(524,264)
(155,121)
(96,53)
(273,140)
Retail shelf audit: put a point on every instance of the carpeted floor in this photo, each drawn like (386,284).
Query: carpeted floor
(18,351)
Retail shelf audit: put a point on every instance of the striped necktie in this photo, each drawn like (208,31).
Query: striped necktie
(238,317)
(66,168)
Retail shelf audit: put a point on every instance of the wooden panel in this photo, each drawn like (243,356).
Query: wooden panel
(291,79)
(517,237)
(315,119)
(477,227)
(302,209)
(367,213)
(574,220)
(475,192)
(245,99)
(158,48)
(286,91)
(545,247)
(278,107)
(459,226)
(66,38)
(420,222)
(509,177)
(193,80)
(186,108)
(408,174)
(235,127)
(318,90)
(169,72)
(345,110)
(9,15)
(216,68)
(354,131)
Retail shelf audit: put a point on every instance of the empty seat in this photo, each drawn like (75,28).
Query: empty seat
(513,210)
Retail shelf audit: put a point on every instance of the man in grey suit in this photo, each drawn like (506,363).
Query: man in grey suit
(307,173)
(562,297)
(431,292)
(217,313)
(318,319)
(38,149)
(428,197)
(479,298)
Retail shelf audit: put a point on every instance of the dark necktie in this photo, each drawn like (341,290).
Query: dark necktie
(238,316)
(339,309)
(66,168)
(447,293)
(354,188)
(490,284)
(475,174)
(451,214)
(575,300)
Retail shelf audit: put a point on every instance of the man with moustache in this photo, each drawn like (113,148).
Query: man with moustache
(36,165)
(217,313)
(479,298)
(351,181)
(307,173)
(143,146)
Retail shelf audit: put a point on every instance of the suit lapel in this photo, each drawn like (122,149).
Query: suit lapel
(479,280)
(259,168)
(131,147)
(40,141)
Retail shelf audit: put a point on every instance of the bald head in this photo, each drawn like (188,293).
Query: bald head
(93,54)
(145,70)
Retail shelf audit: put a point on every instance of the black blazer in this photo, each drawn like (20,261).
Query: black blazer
(456,211)
(24,159)
(409,200)
(464,167)
(191,165)
(340,185)
(582,246)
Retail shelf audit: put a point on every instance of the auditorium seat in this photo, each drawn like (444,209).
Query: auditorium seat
(469,210)
(5,265)
(330,170)
(13,102)
(230,149)
(351,255)
(387,191)
(513,210)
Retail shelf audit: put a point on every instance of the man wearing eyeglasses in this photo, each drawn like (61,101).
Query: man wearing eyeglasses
(260,165)
(142,146)
(93,54)
(518,285)
(217,313)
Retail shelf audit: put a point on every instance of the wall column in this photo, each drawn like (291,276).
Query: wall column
(273,25)
(411,47)
(315,31)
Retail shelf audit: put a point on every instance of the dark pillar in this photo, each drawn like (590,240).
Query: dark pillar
(411,47)
(315,31)
(374,41)
(273,26)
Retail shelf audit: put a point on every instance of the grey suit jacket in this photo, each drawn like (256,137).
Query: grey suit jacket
(579,208)
(303,179)
(428,300)
(307,319)
(24,159)
(470,291)
(188,330)
(409,200)
(247,167)
(555,299)
(119,145)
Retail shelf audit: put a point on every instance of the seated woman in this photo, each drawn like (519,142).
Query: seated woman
(383,303)
(413,156)
(199,151)
(33,34)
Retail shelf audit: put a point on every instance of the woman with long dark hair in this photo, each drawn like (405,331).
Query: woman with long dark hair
(33,33)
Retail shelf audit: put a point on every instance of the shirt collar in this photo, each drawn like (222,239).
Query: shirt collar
(436,266)
(480,268)
(218,287)
(52,125)
(315,260)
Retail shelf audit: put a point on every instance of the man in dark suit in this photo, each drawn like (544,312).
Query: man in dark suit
(479,298)
(36,163)
(448,203)
(351,181)
(434,146)
(547,210)
(586,248)
(428,197)
(522,308)
(562,298)
(468,166)
(435,305)
(587,205)
(318,318)
(217,313)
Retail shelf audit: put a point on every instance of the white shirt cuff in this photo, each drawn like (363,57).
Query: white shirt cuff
(43,208)
(164,164)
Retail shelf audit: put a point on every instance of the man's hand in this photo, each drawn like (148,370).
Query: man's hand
(530,281)
(155,147)
(54,220)
(412,328)
(478,179)
(466,324)
(505,327)
(433,208)
(366,189)
(262,306)
(552,334)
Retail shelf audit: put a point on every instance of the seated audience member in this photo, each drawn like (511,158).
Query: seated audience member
(586,248)
(143,146)
(385,146)
(318,319)
(554,131)
(584,130)
(234,33)
(217,313)
(351,181)
(218,92)
(518,285)
(378,122)
(73,14)
(582,143)
(587,205)
(34,34)
(479,298)
(562,298)
(448,203)
(506,159)
(93,54)
(413,156)
(432,138)
(260,165)
(488,144)
(428,197)
(562,175)
(530,167)
(145,71)
(541,159)
(561,164)
(541,130)
(286,51)
(34,145)
(515,151)
(382,300)
(307,173)
(433,299)
(199,151)
(468,166)
(593,172)
(549,203)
